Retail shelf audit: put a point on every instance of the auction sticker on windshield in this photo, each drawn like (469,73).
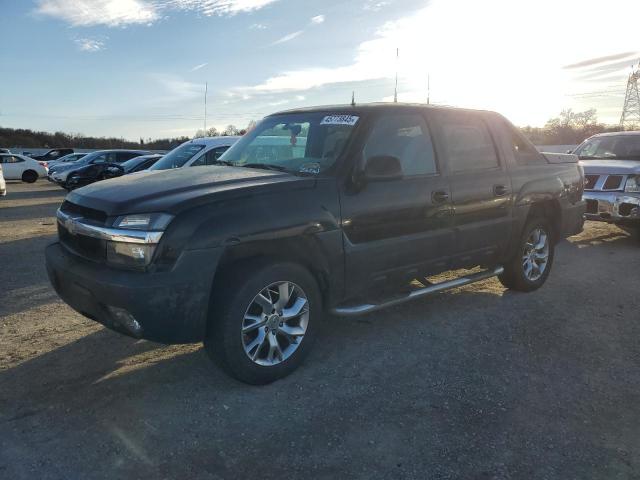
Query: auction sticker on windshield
(340,120)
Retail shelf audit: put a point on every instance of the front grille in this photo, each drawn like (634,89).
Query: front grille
(592,206)
(88,247)
(590,181)
(78,210)
(612,182)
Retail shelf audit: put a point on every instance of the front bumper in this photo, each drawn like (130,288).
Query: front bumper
(612,207)
(165,307)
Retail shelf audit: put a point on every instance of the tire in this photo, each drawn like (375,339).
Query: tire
(517,276)
(67,185)
(234,307)
(29,176)
(633,231)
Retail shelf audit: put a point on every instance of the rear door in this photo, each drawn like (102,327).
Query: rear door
(480,186)
(396,229)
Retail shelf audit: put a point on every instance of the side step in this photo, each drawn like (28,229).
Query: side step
(354,310)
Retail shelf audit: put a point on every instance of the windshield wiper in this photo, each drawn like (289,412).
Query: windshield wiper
(264,166)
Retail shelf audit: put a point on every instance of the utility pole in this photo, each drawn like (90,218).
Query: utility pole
(206,88)
(395,92)
(631,111)
(428,89)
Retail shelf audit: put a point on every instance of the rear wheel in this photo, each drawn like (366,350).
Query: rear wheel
(530,266)
(263,321)
(29,176)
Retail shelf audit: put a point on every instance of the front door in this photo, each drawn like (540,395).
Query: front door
(397,229)
(480,186)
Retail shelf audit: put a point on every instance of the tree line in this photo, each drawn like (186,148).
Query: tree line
(568,128)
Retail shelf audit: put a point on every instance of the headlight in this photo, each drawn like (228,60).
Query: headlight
(144,221)
(633,185)
(136,254)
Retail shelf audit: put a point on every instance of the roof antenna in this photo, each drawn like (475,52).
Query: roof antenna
(395,92)
(353,98)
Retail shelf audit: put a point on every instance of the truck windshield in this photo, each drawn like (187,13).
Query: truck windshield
(615,147)
(177,157)
(306,143)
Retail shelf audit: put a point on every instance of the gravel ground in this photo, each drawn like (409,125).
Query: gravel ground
(474,383)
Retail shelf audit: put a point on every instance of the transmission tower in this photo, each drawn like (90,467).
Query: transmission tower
(631,111)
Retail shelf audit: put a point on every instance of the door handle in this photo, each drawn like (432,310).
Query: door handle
(440,196)
(500,190)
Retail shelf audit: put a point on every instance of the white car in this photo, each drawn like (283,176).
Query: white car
(21,167)
(199,151)
(3,185)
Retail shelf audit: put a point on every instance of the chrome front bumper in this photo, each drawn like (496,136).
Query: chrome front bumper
(613,207)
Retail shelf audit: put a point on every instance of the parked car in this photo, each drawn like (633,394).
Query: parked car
(141,163)
(19,167)
(3,184)
(611,163)
(53,154)
(247,255)
(72,157)
(199,151)
(90,168)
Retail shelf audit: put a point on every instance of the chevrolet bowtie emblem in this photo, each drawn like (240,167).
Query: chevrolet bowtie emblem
(70,225)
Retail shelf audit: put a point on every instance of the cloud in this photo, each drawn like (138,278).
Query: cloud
(258,26)
(198,67)
(89,44)
(375,5)
(118,13)
(600,60)
(318,19)
(113,13)
(288,38)
(524,78)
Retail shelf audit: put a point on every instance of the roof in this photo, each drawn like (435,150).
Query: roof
(373,107)
(614,134)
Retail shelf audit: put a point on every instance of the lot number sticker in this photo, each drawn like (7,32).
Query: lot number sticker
(340,120)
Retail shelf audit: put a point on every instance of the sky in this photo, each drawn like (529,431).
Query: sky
(138,68)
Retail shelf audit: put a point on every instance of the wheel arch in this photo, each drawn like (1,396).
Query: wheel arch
(304,251)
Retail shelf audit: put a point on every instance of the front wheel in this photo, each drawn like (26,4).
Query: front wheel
(530,266)
(263,321)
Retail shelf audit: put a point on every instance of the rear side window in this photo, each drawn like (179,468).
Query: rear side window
(523,151)
(406,137)
(124,156)
(468,143)
(11,159)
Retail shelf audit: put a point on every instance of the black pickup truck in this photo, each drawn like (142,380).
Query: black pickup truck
(342,209)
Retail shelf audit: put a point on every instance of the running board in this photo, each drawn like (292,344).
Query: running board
(354,310)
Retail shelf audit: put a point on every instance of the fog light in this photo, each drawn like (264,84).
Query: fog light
(129,254)
(123,318)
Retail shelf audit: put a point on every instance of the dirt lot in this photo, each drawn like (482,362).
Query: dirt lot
(474,383)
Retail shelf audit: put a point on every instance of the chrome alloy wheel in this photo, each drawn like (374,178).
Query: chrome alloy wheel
(535,256)
(275,323)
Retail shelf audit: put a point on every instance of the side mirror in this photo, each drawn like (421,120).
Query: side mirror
(570,151)
(383,168)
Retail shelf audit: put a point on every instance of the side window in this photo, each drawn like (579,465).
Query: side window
(211,157)
(406,137)
(102,158)
(124,156)
(10,159)
(468,143)
(523,151)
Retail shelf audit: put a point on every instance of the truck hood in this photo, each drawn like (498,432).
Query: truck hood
(611,167)
(172,191)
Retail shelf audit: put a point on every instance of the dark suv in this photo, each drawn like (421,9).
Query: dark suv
(341,209)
